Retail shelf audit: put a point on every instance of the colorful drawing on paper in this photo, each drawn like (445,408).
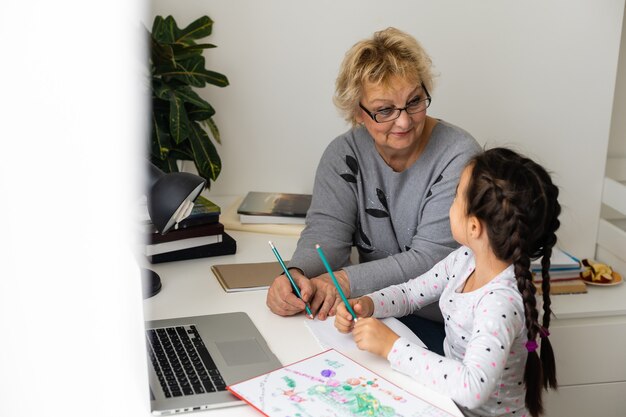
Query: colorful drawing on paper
(330,385)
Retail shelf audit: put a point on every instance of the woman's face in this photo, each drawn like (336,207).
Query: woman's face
(402,135)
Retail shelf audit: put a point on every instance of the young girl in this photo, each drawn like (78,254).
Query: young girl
(504,214)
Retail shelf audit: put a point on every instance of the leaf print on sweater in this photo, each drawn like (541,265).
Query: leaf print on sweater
(354,167)
(363,236)
(352,164)
(348,177)
(382,198)
(377,213)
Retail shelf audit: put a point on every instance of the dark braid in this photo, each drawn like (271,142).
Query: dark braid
(533,371)
(516,200)
(547,354)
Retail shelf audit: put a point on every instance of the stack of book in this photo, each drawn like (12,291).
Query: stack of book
(199,235)
(564,273)
(274,208)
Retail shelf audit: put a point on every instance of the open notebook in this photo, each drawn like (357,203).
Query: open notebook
(329,337)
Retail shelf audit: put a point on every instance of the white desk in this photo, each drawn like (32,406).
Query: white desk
(588,334)
(190,289)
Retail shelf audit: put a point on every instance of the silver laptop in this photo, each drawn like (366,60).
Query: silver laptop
(193,359)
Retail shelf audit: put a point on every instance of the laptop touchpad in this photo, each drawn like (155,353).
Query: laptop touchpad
(242,352)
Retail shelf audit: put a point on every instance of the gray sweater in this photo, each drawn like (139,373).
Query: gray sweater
(398,221)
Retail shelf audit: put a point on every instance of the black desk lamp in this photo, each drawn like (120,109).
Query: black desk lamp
(170,200)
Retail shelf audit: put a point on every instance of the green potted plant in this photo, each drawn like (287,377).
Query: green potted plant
(181,119)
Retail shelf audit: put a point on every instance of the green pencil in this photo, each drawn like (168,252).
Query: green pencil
(293,283)
(332,275)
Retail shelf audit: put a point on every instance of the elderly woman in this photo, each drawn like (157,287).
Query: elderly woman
(385,186)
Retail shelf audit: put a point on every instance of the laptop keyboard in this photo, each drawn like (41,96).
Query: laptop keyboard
(182,362)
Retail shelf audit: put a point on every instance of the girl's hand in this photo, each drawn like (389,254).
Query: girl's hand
(374,336)
(363,307)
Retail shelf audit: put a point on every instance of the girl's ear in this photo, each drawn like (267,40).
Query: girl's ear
(475,227)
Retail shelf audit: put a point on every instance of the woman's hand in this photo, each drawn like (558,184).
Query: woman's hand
(374,336)
(363,307)
(281,299)
(326,297)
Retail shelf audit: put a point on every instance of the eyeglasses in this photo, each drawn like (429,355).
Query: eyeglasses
(416,105)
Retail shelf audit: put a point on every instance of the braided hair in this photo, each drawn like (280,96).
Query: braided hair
(517,202)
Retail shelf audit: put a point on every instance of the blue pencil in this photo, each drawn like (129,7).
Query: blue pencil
(293,283)
(332,275)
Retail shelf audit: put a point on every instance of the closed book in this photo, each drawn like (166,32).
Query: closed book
(575,286)
(209,229)
(253,219)
(227,246)
(176,245)
(559,261)
(267,207)
(246,276)
(559,275)
(204,211)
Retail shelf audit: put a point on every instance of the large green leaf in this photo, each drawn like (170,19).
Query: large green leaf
(179,123)
(191,71)
(196,48)
(198,29)
(165,30)
(161,53)
(215,78)
(161,141)
(198,115)
(214,130)
(160,89)
(182,52)
(191,97)
(207,160)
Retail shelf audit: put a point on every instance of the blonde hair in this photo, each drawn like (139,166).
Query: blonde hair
(388,54)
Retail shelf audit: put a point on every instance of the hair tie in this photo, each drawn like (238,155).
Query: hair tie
(543,332)
(531,346)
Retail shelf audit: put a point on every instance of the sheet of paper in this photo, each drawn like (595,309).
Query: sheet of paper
(329,337)
(330,384)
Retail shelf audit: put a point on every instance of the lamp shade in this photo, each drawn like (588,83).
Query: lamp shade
(170,196)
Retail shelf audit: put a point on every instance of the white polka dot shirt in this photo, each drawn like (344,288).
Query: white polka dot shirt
(485,354)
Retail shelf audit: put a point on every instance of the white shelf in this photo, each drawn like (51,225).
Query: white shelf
(614,188)
(611,240)
(614,194)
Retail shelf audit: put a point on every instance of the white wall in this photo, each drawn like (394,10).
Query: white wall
(536,75)
(617,139)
